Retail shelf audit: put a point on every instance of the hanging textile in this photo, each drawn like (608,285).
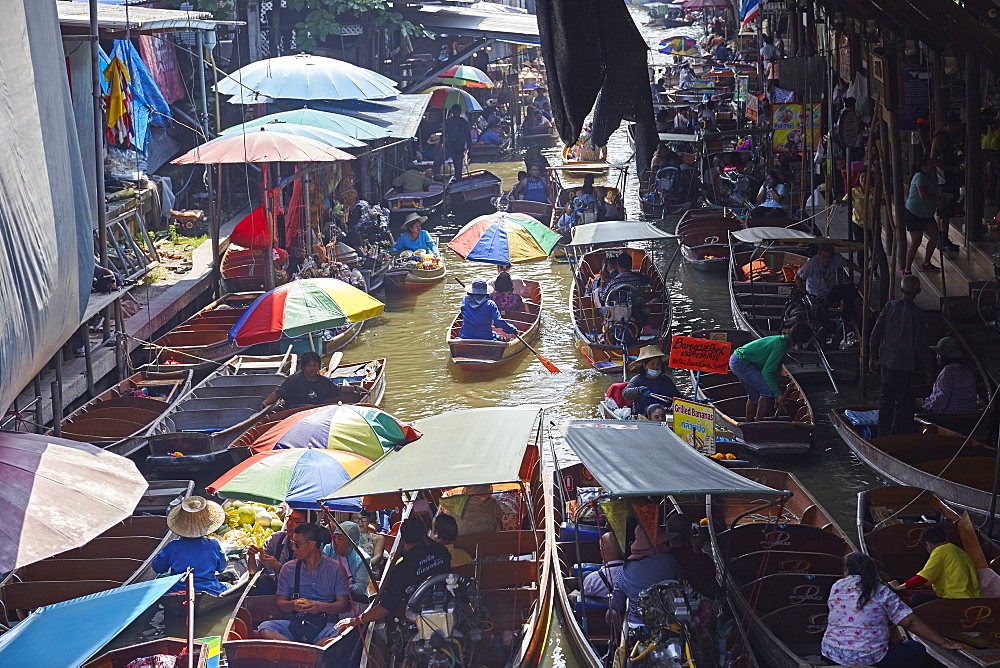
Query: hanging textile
(118,100)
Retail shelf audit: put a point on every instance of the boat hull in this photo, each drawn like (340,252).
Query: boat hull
(484,355)
(415,280)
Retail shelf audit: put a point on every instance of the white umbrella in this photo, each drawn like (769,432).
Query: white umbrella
(307,77)
(328,137)
(339,123)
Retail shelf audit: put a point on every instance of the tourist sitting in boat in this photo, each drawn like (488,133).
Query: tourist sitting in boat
(372,542)
(611,210)
(954,388)
(863,615)
(625,277)
(661,158)
(644,567)
(541,97)
(706,115)
(307,387)
(414,237)
(276,552)
(599,584)
(770,197)
(722,53)
(682,118)
(609,269)
(650,380)
(546,110)
(312,588)
(503,294)
(758,367)
(421,560)
(352,563)
(482,511)
(533,119)
(192,520)
(515,280)
(818,277)
(533,187)
(413,180)
(686,76)
(444,530)
(655,413)
(949,571)
(480,315)
(490,135)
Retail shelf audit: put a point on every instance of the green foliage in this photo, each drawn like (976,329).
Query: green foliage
(323,18)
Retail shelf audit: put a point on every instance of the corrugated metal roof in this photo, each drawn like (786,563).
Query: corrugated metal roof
(75,17)
(508,27)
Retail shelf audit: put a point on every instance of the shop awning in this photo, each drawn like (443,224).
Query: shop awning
(474,447)
(631,458)
(617,232)
(74,18)
(501,26)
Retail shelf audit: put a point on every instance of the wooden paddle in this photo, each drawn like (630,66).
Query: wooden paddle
(545,363)
(334,362)
(989,581)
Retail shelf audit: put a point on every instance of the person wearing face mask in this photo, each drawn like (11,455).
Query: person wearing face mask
(650,380)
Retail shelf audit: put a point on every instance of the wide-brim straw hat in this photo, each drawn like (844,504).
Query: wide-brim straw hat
(948,347)
(411,219)
(195,517)
(434,138)
(648,353)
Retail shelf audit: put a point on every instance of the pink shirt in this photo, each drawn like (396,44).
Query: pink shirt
(860,637)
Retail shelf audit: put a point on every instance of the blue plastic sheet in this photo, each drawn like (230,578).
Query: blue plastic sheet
(148,105)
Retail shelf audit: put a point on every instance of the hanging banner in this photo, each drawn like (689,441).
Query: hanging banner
(753,108)
(697,354)
(616,513)
(695,423)
(740,92)
(648,514)
(795,126)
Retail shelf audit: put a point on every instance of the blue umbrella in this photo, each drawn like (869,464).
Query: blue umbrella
(328,137)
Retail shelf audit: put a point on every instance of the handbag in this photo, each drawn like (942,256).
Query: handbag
(304,626)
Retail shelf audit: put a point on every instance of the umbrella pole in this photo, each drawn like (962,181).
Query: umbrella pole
(269,259)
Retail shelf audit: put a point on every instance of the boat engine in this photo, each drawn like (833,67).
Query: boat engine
(677,628)
(811,310)
(444,622)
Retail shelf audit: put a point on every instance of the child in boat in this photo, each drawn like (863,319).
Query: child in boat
(193,520)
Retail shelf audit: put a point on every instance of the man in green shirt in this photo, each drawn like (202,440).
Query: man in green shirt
(758,366)
(412,181)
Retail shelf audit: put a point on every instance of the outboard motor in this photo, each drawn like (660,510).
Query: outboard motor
(445,619)
(677,629)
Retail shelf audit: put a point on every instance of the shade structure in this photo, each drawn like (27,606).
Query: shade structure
(443,97)
(56,495)
(651,460)
(328,137)
(300,307)
(679,46)
(363,430)
(345,125)
(616,232)
(707,4)
(69,633)
(465,75)
(307,77)
(297,477)
(261,145)
(504,238)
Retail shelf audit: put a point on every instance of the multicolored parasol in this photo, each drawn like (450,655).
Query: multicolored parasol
(442,97)
(679,46)
(300,307)
(466,75)
(504,238)
(362,430)
(298,477)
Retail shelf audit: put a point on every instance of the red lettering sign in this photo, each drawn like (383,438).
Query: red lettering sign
(697,354)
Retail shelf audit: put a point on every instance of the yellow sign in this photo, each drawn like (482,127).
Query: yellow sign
(695,423)
(795,126)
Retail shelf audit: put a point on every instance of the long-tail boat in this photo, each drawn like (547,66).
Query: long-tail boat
(483,355)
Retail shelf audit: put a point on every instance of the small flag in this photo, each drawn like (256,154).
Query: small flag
(749,12)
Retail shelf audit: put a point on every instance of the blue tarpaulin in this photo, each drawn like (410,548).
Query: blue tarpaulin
(148,105)
(69,633)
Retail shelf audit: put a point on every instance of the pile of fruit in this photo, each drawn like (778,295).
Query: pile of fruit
(419,259)
(249,523)
(718,455)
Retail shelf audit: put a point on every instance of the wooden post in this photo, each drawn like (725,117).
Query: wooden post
(121,345)
(39,414)
(974,167)
(890,217)
(85,331)
(898,181)
(57,407)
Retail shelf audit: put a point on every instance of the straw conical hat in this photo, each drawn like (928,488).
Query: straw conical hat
(195,517)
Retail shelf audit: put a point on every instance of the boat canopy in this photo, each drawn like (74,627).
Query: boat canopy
(618,453)
(481,446)
(679,137)
(82,625)
(616,232)
(755,235)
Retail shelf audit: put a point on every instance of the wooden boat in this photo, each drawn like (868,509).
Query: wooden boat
(479,152)
(587,324)
(197,430)
(116,418)
(324,342)
(162,495)
(402,204)
(704,240)
(243,270)
(789,434)
(413,279)
(122,657)
(175,605)
(780,561)
(586,161)
(477,355)
(541,137)
(926,459)
(201,342)
(471,194)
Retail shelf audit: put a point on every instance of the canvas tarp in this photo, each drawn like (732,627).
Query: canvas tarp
(46,247)
(617,232)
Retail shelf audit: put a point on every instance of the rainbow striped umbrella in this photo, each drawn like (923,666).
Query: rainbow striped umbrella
(303,306)
(679,46)
(504,238)
(362,430)
(466,75)
(442,97)
(297,477)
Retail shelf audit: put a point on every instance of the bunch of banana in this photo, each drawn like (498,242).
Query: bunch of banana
(258,535)
(232,516)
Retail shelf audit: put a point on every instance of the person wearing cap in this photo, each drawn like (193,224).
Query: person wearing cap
(308,387)
(649,380)
(644,567)
(413,180)
(414,237)
(954,389)
(192,520)
(898,348)
(351,560)
(758,367)
(480,315)
(818,277)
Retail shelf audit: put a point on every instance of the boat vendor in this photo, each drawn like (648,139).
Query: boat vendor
(413,180)
(312,588)
(533,187)
(421,560)
(818,277)
(758,366)
(307,387)
(352,563)
(444,530)
(480,315)
(949,571)
(644,567)
(649,380)
(954,388)
(863,614)
(414,237)
(277,551)
(193,519)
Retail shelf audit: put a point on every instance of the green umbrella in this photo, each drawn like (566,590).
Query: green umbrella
(345,125)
